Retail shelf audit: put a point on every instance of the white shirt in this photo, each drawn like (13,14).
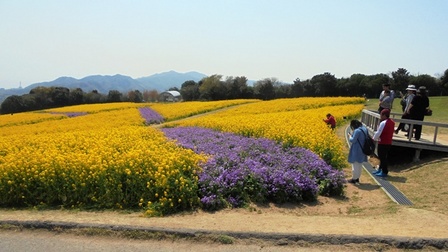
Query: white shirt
(377,134)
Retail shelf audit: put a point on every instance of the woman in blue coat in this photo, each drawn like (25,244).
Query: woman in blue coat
(356,157)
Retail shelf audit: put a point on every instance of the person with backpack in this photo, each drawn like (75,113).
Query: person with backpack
(384,136)
(356,155)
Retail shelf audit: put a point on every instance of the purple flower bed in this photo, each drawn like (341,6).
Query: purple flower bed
(70,114)
(244,169)
(151,116)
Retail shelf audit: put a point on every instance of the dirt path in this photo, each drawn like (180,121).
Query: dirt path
(406,222)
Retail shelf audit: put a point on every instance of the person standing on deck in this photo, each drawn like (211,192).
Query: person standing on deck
(409,97)
(417,110)
(386,86)
(384,136)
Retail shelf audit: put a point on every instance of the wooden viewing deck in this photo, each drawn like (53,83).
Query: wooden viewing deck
(432,141)
(371,120)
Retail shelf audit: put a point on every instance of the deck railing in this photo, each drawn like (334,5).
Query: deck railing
(371,119)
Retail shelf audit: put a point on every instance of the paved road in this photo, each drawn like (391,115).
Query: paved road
(36,241)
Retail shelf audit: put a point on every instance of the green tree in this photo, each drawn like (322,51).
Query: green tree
(12,104)
(264,89)
(400,78)
(309,89)
(425,80)
(374,84)
(151,95)
(59,96)
(135,96)
(297,88)
(342,88)
(356,86)
(190,91)
(324,84)
(444,83)
(212,89)
(236,87)
(29,102)
(76,96)
(283,91)
(114,96)
(94,97)
(42,96)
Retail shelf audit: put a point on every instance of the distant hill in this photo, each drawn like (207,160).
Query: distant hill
(104,83)
(166,80)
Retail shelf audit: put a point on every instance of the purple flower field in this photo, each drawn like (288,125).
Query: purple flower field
(151,116)
(70,114)
(243,170)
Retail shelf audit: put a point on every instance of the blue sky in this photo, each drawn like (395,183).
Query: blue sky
(43,40)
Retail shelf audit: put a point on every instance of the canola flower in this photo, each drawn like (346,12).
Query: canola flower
(95,108)
(27,118)
(105,160)
(173,111)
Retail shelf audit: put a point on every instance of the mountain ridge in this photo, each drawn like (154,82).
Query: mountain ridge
(104,83)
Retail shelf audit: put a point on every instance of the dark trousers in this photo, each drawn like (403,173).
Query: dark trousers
(418,128)
(401,125)
(383,152)
(418,131)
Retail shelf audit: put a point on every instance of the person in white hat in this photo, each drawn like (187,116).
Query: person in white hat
(409,96)
(417,109)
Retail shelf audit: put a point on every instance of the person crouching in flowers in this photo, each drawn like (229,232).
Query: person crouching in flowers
(330,121)
(356,156)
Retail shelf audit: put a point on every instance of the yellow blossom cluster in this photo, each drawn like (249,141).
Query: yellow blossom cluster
(293,122)
(27,118)
(95,108)
(104,160)
(172,111)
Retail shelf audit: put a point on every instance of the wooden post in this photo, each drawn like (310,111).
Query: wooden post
(417,155)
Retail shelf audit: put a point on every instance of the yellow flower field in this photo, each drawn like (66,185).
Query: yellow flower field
(108,158)
(103,160)
(172,111)
(95,108)
(27,118)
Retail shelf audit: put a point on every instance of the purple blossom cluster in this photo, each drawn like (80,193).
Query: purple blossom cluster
(242,170)
(70,114)
(151,116)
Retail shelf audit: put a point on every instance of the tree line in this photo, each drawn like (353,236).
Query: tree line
(214,88)
(52,97)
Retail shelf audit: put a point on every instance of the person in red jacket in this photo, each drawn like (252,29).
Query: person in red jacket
(384,136)
(330,121)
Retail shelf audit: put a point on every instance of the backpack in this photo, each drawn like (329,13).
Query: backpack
(368,148)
